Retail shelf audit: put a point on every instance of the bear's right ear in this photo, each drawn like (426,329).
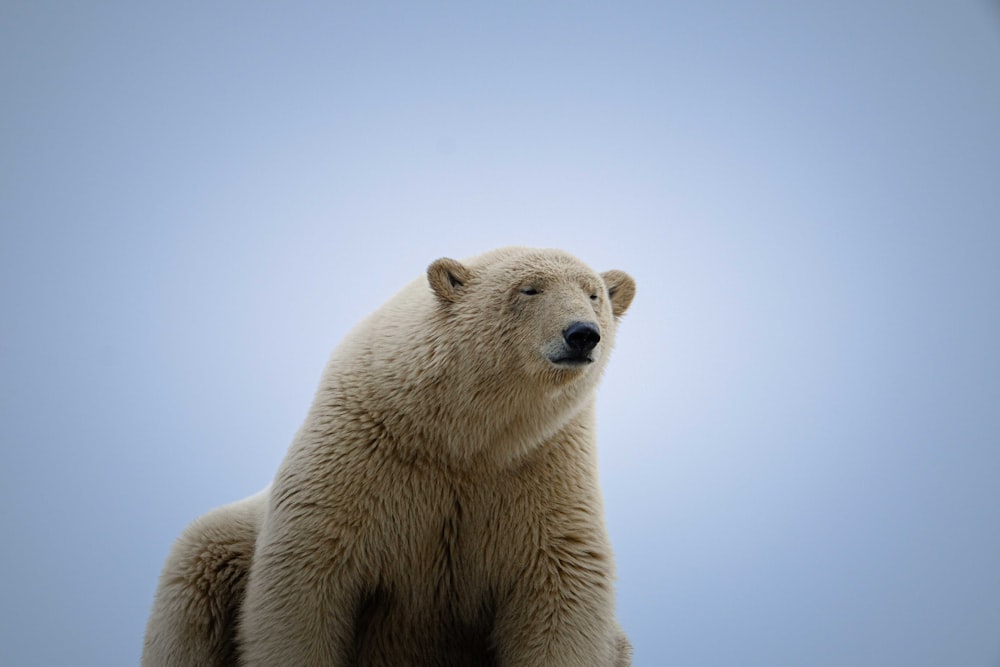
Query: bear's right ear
(447,277)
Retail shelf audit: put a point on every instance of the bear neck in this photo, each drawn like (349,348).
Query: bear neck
(450,415)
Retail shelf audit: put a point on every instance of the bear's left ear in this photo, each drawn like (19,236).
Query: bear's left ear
(621,289)
(447,277)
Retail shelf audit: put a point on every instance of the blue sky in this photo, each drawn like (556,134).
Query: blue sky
(800,428)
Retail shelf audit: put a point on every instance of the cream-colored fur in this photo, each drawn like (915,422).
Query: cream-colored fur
(439,506)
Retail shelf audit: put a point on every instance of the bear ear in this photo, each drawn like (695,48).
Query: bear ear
(447,277)
(621,289)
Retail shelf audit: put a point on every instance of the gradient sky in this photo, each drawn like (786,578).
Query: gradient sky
(800,428)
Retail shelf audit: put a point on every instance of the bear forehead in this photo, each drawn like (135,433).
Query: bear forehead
(516,264)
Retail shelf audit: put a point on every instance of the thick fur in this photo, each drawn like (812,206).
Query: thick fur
(439,506)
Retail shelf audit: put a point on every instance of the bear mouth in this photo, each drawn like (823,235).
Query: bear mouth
(572,360)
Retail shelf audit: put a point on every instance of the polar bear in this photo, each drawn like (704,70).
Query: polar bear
(440,504)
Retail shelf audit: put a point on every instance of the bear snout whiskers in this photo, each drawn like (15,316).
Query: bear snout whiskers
(581,338)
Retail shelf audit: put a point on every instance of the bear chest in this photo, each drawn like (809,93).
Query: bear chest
(432,600)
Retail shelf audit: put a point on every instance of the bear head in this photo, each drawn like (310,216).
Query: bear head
(529,333)
(553,315)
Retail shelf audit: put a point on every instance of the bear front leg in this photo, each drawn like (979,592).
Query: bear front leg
(561,612)
(299,604)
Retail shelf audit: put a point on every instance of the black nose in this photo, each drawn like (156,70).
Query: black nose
(582,337)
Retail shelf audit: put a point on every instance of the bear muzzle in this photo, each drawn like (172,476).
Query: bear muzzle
(579,341)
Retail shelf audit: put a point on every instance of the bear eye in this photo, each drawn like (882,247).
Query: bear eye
(593,297)
(529,291)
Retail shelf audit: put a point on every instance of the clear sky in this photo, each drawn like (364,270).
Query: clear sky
(800,428)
